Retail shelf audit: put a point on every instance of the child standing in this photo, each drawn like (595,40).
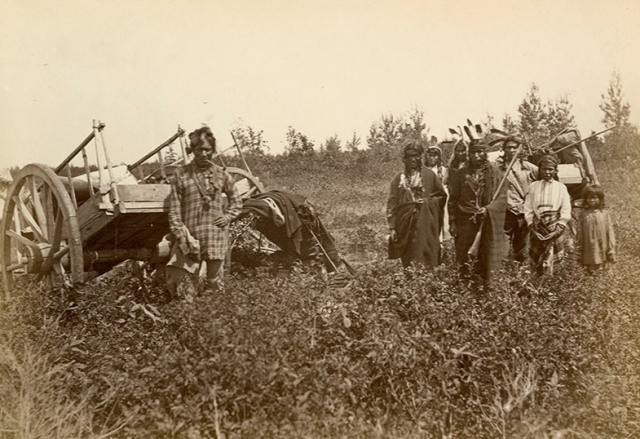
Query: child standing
(547,210)
(595,241)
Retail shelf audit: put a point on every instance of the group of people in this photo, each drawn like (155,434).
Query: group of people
(491,209)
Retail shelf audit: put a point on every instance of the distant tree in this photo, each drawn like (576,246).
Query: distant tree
(559,115)
(532,120)
(332,146)
(390,133)
(352,145)
(384,135)
(487,123)
(298,144)
(250,140)
(508,124)
(616,112)
(415,128)
(171,155)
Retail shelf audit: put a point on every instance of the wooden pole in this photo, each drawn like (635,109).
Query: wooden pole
(112,180)
(95,138)
(87,170)
(240,153)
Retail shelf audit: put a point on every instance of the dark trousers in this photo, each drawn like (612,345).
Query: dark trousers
(515,227)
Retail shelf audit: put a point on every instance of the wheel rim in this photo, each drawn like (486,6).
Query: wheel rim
(39,235)
(246,183)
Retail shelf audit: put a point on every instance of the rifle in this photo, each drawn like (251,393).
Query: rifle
(473,251)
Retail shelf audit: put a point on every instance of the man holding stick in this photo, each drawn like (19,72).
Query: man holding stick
(519,177)
(477,207)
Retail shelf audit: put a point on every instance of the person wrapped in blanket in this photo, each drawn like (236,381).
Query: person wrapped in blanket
(547,211)
(476,214)
(415,209)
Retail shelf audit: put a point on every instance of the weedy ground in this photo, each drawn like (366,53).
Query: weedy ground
(392,355)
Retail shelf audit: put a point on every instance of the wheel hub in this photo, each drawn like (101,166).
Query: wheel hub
(36,256)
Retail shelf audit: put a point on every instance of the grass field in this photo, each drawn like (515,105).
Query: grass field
(390,356)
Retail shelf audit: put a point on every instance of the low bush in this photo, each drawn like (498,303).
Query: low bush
(396,353)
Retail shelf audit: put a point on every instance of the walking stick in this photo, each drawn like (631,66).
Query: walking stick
(326,255)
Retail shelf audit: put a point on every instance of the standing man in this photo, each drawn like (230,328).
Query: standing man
(476,209)
(521,175)
(198,207)
(547,210)
(415,208)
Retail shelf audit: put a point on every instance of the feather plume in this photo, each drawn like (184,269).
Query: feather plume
(468,131)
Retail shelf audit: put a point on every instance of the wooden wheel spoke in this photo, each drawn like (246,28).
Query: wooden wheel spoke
(21,239)
(49,208)
(35,228)
(37,206)
(55,242)
(16,266)
(17,227)
(250,192)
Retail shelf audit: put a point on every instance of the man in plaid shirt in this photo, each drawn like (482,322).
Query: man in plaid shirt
(197,203)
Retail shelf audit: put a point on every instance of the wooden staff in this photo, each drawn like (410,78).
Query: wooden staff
(475,247)
(240,152)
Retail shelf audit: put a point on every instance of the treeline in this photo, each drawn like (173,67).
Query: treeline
(536,120)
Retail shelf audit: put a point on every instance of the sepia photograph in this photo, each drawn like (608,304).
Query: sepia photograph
(319,219)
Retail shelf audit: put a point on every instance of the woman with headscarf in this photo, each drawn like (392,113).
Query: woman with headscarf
(415,209)
(547,211)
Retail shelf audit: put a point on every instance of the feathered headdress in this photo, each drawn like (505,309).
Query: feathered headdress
(475,134)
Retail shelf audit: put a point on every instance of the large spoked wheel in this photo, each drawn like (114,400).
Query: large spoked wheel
(246,183)
(40,236)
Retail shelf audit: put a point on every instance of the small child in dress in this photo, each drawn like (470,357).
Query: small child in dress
(595,241)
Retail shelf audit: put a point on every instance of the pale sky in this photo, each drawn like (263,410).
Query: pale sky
(324,67)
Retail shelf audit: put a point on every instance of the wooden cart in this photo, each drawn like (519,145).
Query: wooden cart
(62,230)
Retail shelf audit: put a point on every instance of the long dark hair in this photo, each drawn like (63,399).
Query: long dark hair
(454,163)
(594,190)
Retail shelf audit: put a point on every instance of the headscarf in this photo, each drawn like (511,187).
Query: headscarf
(412,147)
(548,160)
(438,165)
